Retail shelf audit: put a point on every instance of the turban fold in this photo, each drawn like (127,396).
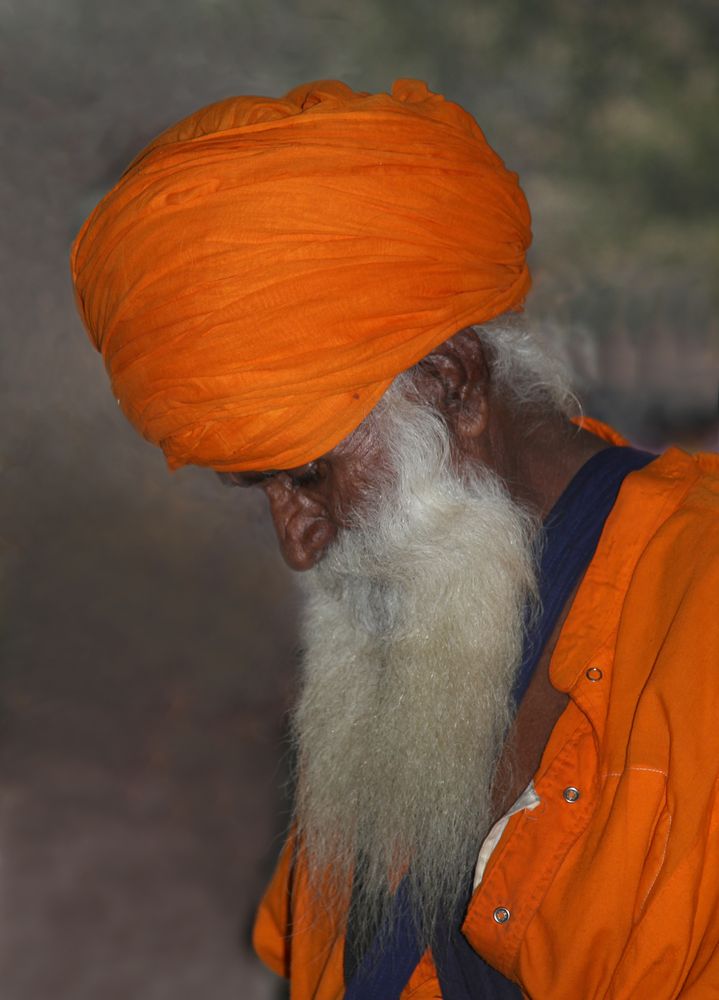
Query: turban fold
(265,268)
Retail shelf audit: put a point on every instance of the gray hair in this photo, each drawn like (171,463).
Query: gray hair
(530,371)
(533,374)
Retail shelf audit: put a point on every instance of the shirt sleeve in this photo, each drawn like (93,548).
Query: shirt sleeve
(271,932)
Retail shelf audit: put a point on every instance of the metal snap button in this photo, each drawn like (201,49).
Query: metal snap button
(594,674)
(571,794)
(501,915)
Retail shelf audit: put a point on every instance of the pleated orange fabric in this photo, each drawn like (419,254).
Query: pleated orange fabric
(265,268)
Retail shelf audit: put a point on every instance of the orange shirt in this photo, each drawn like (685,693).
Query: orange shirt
(614,893)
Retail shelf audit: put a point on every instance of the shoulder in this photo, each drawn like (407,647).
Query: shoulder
(668,515)
(681,554)
(666,670)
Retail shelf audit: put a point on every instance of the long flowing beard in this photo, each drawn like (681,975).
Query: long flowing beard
(413,632)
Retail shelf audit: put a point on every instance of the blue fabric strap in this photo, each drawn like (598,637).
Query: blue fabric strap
(386,967)
(571,532)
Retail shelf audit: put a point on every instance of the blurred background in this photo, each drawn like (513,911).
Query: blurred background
(148,626)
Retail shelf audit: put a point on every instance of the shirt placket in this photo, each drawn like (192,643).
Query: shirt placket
(535,844)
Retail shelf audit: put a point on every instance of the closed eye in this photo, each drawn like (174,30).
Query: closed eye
(245,479)
(307,475)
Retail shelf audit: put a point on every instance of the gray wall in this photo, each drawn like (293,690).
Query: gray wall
(148,635)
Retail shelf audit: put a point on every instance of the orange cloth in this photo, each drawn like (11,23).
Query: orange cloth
(614,895)
(264,268)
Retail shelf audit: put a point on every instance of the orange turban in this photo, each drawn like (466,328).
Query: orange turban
(264,268)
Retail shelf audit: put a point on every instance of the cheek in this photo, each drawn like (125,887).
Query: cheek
(359,495)
(358,471)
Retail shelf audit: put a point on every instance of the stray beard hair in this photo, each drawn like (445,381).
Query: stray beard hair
(413,626)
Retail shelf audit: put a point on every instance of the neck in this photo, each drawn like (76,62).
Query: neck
(537,458)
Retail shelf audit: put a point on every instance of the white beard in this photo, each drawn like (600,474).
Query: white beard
(413,633)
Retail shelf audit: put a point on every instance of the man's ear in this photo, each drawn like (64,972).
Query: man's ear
(455,379)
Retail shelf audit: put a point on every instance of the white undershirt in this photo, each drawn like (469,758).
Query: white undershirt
(527,800)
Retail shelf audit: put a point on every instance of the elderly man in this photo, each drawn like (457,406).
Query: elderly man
(507,734)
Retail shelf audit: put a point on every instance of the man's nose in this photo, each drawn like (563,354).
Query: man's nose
(303,526)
